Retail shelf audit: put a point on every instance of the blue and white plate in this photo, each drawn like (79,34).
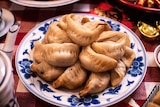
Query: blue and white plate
(64,97)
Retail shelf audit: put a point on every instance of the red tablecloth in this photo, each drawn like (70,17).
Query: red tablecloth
(29,17)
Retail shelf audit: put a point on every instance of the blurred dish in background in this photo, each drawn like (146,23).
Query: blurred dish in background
(8,20)
(43,3)
(141,6)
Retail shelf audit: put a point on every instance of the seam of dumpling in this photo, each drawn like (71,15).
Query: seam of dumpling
(76,30)
(97,61)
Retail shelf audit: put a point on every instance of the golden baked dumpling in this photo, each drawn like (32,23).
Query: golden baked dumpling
(128,56)
(112,46)
(38,52)
(55,34)
(46,71)
(61,54)
(96,62)
(72,78)
(81,33)
(114,36)
(96,83)
(118,73)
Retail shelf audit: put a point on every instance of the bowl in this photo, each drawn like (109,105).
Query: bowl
(157,55)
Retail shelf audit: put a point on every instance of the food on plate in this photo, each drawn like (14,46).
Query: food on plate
(84,34)
(155,102)
(56,34)
(96,82)
(118,73)
(72,78)
(96,62)
(47,71)
(38,52)
(111,43)
(77,52)
(60,54)
(128,56)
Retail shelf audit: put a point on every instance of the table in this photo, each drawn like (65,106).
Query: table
(28,17)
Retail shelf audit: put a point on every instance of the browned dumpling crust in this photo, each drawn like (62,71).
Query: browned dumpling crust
(114,36)
(96,62)
(96,83)
(72,78)
(118,73)
(47,71)
(61,55)
(128,57)
(81,34)
(55,34)
(77,52)
(38,52)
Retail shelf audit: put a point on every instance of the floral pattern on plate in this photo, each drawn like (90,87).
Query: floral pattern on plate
(64,97)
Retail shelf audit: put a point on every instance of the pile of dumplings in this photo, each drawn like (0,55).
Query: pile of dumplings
(76,52)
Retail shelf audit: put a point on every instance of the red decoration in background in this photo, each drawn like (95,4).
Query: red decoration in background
(106,10)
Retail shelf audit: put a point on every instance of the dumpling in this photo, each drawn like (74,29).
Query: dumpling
(38,52)
(61,54)
(128,57)
(118,73)
(55,34)
(46,71)
(114,36)
(109,48)
(82,34)
(62,23)
(96,62)
(96,83)
(73,77)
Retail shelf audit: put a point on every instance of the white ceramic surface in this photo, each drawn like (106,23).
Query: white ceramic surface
(64,97)
(157,55)
(8,19)
(43,4)
(7,92)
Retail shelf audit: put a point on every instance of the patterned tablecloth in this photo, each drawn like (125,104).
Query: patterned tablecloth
(28,17)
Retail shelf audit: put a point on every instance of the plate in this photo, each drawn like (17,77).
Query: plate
(43,4)
(8,19)
(64,97)
(142,8)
